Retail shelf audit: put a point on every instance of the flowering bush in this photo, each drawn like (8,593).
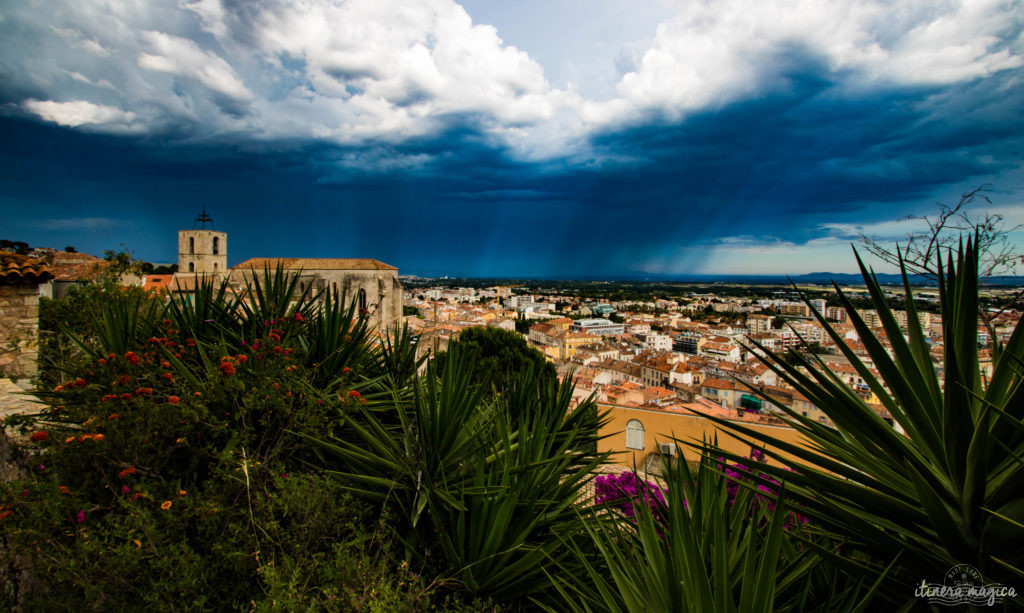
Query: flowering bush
(625,489)
(161,468)
(737,475)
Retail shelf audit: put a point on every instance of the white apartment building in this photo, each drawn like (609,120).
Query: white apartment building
(603,327)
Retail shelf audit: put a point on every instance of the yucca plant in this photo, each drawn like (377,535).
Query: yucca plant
(336,339)
(125,320)
(211,310)
(945,488)
(702,548)
(473,497)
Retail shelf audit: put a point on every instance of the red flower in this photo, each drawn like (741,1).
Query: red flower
(124,473)
(64,489)
(191,342)
(173,400)
(4,515)
(346,370)
(274,337)
(168,376)
(111,356)
(277,385)
(298,317)
(80,383)
(165,364)
(126,396)
(103,362)
(353,394)
(132,358)
(113,416)
(197,394)
(144,391)
(227,368)
(136,495)
(109,397)
(38,437)
(243,359)
(124,380)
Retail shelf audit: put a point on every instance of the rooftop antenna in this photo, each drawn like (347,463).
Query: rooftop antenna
(203,219)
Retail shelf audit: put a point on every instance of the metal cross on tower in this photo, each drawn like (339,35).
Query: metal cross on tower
(203,219)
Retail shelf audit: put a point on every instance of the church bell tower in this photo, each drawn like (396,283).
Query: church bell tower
(202,251)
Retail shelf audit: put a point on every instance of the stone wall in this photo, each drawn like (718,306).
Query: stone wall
(19,330)
(381,288)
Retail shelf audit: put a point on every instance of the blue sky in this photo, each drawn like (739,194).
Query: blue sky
(528,138)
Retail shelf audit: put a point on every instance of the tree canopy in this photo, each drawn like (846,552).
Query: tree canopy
(497,354)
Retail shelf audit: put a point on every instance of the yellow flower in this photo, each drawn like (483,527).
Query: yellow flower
(166,505)
(137,542)
(182,492)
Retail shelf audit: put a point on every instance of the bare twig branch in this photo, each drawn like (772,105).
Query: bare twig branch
(998,255)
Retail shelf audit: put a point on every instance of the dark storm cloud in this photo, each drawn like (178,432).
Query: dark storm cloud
(776,165)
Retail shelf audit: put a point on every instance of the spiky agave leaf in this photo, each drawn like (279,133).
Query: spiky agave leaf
(923,492)
(698,551)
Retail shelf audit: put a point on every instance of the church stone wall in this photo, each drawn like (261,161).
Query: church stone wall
(382,290)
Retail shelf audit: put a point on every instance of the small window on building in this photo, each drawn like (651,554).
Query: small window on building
(216,245)
(362,299)
(191,245)
(634,434)
(215,265)
(191,266)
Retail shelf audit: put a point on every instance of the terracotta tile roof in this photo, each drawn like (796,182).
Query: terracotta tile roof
(20,269)
(158,283)
(719,384)
(80,271)
(314,264)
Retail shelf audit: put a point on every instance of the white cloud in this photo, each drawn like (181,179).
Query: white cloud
(183,57)
(714,52)
(79,113)
(367,72)
(77,223)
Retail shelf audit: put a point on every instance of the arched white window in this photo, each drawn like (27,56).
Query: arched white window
(634,434)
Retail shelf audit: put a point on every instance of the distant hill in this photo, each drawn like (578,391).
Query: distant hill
(893,279)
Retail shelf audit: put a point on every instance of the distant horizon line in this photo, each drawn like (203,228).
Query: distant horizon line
(815,277)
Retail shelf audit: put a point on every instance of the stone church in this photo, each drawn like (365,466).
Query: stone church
(374,285)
